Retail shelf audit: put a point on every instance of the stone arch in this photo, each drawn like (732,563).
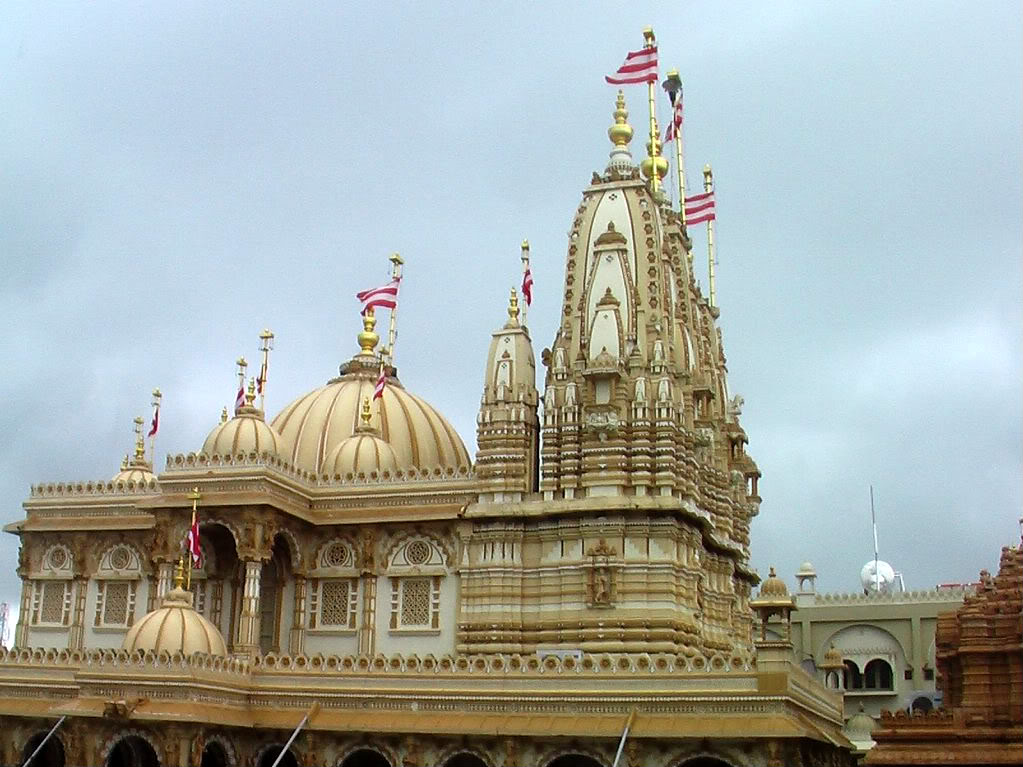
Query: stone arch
(702,756)
(705,760)
(266,756)
(294,550)
(52,754)
(878,675)
(862,643)
(401,540)
(220,521)
(574,758)
(319,562)
(131,748)
(464,756)
(203,740)
(366,756)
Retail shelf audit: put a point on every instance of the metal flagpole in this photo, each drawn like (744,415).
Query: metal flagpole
(650,42)
(157,397)
(194,496)
(43,741)
(708,186)
(242,367)
(266,346)
(392,331)
(625,734)
(525,268)
(673,85)
(873,523)
(313,711)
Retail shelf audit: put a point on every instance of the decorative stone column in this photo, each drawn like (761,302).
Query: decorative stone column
(76,637)
(248,624)
(367,623)
(21,631)
(296,642)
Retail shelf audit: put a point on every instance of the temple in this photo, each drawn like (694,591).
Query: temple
(586,576)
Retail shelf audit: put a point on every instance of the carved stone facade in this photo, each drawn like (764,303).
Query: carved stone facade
(980,667)
(512,611)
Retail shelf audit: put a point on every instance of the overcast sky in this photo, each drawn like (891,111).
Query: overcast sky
(176,176)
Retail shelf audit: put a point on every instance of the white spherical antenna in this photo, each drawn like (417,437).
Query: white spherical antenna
(879,578)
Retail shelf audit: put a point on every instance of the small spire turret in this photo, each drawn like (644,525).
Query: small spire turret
(620,134)
(140,443)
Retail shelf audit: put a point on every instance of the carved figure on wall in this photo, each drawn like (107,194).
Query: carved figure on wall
(549,398)
(367,552)
(559,361)
(658,352)
(664,390)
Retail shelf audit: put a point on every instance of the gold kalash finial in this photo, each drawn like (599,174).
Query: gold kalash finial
(250,393)
(620,132)
(368,339)
(140,442)
(654,158)
(513,308)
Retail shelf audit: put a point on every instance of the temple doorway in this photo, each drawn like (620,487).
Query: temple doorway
(51,755)
(365,757)
(213,755)
(271,754)
(132,751)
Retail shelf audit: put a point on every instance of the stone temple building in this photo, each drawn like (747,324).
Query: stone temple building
(587,569)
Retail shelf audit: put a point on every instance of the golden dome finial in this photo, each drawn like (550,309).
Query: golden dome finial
(140,443)
(179,573)
(653,158)
(621,132)
(223,415)
(513,307)
(250,394)
(366,413)
(368,339)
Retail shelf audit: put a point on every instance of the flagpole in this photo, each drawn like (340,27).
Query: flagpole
(313,710)
(242,367)
(708,186)
(392,331)
(267,344)
(195,495)
(43,741)
(625,734)
(157,397)
(650,42)
(525,268)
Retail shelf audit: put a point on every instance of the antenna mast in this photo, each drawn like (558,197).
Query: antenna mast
(873,522)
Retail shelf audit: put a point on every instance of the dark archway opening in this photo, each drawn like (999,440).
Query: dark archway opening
(213,755)
(922,704)
(705,761)
(465,760)
(268,757)
(853,680)
(878,675)
(574,760)
(365,757)
(132,751)
(272,578)
(218,591)
(51,755)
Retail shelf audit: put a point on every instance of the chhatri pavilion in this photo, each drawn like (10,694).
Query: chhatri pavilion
(585,575)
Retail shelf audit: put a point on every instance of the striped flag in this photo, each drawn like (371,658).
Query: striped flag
(674,128)
(385,296)
(639,67)
(527,286)
(154,425)
(700,208)
(261,379)
(378,390)
(239,400)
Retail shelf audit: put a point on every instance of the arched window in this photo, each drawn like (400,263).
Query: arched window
(853,678)
(877,675)
(51,754)
(365,757)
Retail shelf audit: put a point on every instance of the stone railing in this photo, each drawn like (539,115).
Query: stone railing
(93,489)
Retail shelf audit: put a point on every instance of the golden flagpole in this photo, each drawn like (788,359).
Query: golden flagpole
(650,42)
(392,331)
(673,85)
(708,186)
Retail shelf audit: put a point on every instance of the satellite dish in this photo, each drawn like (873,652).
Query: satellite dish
(877,580)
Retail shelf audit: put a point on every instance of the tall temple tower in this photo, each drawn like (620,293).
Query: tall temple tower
(646,491)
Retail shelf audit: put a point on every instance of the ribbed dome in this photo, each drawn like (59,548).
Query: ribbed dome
(773,586)
(140,474)
(832,658)
(361,456)
(175,627)
(313,427)
(246,433)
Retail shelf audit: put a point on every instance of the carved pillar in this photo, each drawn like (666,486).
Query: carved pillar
(367,625)
(76,636)
(21,632)
(248,625)
(296,642)
(165,572)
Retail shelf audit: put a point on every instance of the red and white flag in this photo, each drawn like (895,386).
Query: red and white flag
(154,425)
(639,67)
(527,286)
(239,399)
(192,542)
(385,296)
(674,128)
(262,379)
(378,390)
(700,208)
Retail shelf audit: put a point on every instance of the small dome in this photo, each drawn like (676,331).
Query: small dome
(832,658)
(773,586)
(139,472)
(361,455)
(175,627)
(860,730)
(246,433)
(806,570)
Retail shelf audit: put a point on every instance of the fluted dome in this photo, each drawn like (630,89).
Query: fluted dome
(314,426)
(773,586)
(139,472)
(246,433)
(175,627)
(832,658)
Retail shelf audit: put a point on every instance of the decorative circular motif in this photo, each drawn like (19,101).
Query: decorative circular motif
(417,553)
(337,555)
(58,558)
(120,558)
